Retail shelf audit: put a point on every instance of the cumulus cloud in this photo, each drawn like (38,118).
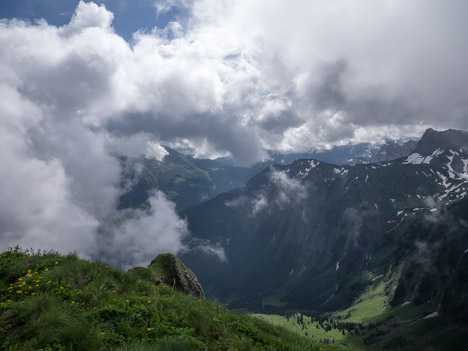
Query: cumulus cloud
(60,181)
(155,151)
(136,240)
(89,15)
(243,76)
(235,77)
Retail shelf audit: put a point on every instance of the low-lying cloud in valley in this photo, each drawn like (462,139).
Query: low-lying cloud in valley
(235,78)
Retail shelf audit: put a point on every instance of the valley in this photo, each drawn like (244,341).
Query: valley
(314,236)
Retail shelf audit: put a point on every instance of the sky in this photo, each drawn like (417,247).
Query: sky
(82,81)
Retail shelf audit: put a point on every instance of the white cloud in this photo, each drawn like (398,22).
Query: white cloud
(88,15)
(243,76)
(60,183)
(215,250)
(156,151)
(144,235)
(164,6)
(259,203)
(236,77)
(281,191)
(35,206)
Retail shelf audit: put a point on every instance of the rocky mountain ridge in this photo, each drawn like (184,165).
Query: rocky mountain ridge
(313,235)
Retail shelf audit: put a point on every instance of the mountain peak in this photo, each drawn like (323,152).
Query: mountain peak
(392,150)
(451,139)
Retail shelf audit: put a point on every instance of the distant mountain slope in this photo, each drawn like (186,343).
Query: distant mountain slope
(341,154)
(391,151)
(313,235)
(185,180)
(189,181)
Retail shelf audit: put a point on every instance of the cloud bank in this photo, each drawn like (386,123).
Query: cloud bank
(234,77)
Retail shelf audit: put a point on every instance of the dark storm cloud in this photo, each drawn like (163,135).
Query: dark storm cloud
(374,107)
(223,134)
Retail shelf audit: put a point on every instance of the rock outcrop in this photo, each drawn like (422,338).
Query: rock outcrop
(167,269)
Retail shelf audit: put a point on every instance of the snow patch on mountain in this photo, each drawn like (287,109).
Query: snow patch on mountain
(340,171)
(417,159)
(312,164)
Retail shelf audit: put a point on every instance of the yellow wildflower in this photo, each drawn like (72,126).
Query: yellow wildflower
(148,329)
(149,301)
(56,262)
(61,288)
(33,294)
(47,269)
(127,300)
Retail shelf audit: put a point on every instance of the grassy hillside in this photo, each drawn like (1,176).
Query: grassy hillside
(372,324)
(54,302)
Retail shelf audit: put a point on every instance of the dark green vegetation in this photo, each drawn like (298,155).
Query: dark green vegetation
(52,302)
(185,180)
(315,236)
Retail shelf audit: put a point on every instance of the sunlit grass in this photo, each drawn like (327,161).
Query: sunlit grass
(51,302)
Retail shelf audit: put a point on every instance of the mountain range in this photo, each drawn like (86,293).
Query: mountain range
(380,228)
(314,235)
(189,181)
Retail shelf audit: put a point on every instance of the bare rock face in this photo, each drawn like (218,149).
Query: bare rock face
(168,270)
(391,151)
